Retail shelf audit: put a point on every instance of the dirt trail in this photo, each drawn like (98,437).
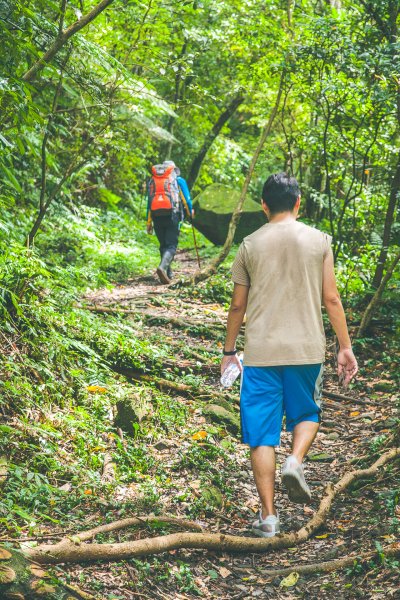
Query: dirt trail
(358,519)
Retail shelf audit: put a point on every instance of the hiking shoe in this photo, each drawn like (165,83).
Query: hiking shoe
(163,275)
(293,480)
(267,527)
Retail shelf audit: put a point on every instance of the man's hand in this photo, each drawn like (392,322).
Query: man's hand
(149,228)
(192,213)
(347,366)
(228,360)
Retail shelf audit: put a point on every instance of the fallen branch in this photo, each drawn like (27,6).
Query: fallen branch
(67,551)
(89,534)
(350,399)
(109,467)
(153,318)
(172,386)
(331,565)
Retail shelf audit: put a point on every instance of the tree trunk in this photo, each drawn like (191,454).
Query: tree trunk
(22,580)
(63,37)
(210,138)
(376,298)
(394,193)
(213,266)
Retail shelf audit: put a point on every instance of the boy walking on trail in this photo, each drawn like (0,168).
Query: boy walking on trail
(168,203)
(282,273)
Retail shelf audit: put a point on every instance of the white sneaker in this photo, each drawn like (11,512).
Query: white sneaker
(293,480)
(267,527)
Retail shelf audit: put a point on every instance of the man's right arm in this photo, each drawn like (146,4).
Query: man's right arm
(347,363)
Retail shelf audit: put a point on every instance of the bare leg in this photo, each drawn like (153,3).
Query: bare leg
(263,465)
(303,436)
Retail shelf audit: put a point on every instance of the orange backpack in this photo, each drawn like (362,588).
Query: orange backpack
(163,191)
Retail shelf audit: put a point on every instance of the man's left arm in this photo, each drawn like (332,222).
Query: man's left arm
(236,314)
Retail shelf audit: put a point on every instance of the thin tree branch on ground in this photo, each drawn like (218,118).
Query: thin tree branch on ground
(331,565)
(67,551)
(377,297)
(336,396)
(152,318)
(62,38)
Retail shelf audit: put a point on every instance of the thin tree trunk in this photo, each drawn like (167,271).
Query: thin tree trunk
(63,37)
(376,298)
(44,206)
(389,219)
(211,136)
(177,97)
(213,266)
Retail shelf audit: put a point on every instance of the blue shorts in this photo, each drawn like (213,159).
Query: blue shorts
(267,392)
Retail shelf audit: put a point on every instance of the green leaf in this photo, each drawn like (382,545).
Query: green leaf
(212,573)
(290,580)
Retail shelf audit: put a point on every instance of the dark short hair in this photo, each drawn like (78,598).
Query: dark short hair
(280,192)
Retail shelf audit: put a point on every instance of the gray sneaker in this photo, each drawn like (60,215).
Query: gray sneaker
(267,527)
(293,480)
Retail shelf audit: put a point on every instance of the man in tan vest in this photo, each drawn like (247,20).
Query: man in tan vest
(282,274)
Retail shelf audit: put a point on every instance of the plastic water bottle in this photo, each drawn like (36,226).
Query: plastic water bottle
(230,374)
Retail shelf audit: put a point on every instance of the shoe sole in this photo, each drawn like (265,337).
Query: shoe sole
(295,490)
(163,276)
(264,534)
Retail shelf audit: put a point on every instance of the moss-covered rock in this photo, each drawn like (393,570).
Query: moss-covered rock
(22,580)
(212,495)
(131,411)
(222,416)
(213,209)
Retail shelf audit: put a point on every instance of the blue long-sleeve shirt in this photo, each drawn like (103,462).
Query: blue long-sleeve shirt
(184,188)
(185,191)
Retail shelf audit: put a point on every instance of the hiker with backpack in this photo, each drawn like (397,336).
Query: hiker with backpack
(169,202)
(282,274)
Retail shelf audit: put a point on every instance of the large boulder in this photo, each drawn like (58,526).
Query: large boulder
(213,212)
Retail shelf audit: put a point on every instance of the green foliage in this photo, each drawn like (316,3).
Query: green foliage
(138,85)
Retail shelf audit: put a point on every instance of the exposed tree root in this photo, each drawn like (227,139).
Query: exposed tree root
(331,565)
(188,390)
(173,386)
(336,396)
(70,551)
(153,318)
